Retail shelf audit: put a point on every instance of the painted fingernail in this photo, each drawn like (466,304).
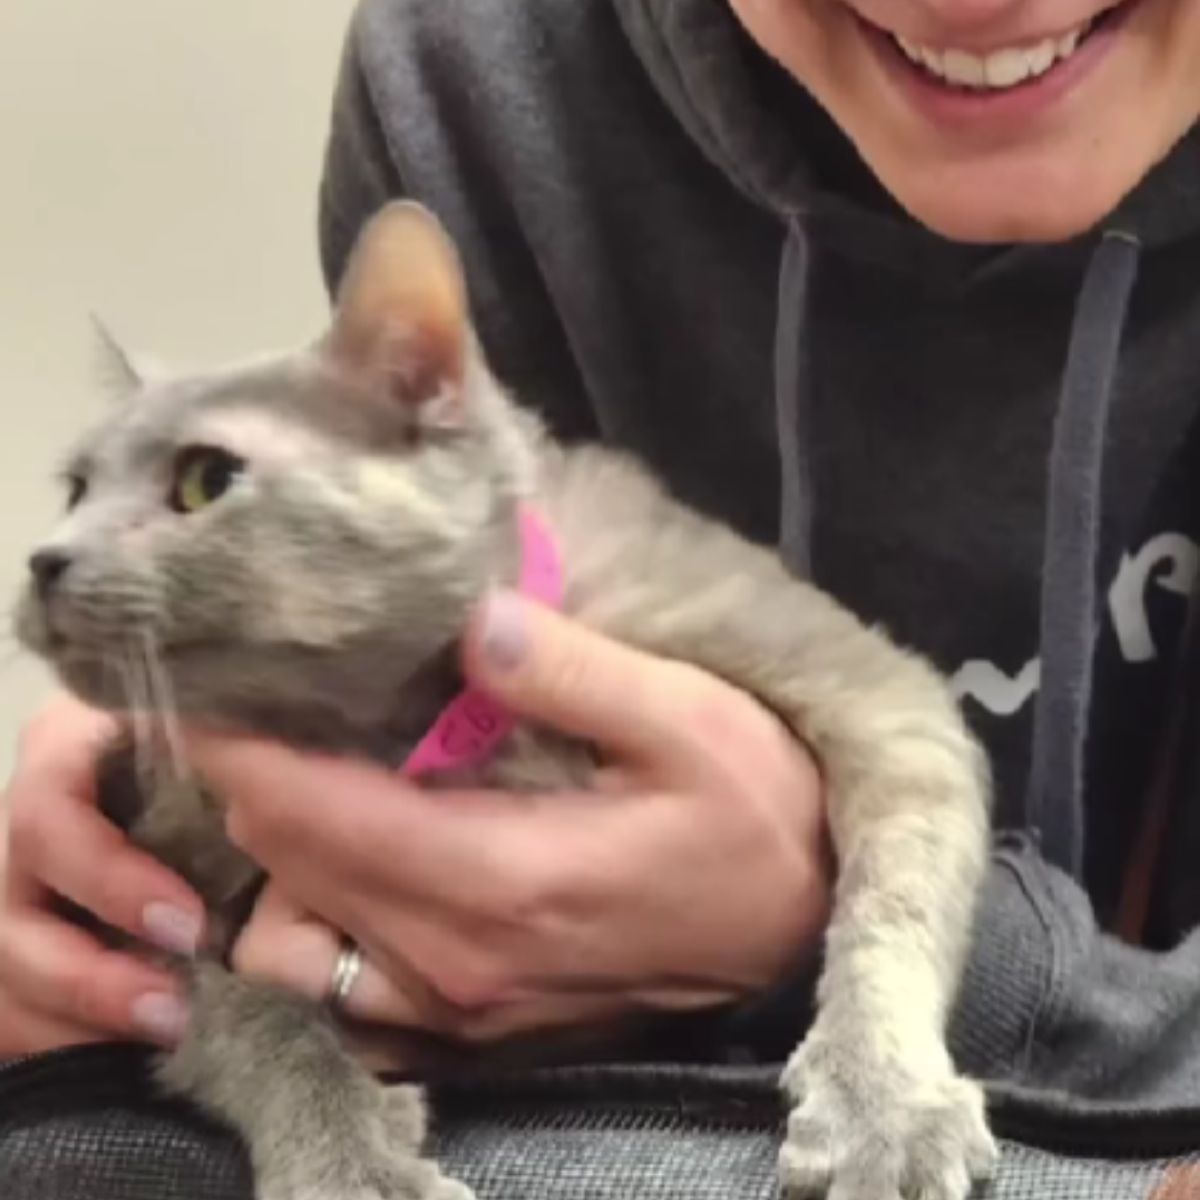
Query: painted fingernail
(505,636)
(160,1016)
(170,928)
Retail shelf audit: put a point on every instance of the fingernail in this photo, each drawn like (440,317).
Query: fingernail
(505,636)
(170,928)
(160,1016)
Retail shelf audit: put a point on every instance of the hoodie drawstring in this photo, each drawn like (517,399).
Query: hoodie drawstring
(793,400)
(1054,808)
(1069,617)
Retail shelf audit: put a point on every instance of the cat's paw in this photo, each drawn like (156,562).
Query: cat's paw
(370,1176)
(888,1133)
(450,1189)
(406,1180)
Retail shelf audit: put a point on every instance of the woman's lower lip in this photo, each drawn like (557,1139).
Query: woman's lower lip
(999,110)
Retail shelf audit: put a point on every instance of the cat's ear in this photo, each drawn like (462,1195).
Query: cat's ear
(401,318)
(118,372)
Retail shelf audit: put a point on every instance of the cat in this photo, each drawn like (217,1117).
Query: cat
(191,574)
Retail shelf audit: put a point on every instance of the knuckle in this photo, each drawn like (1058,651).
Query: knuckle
(81,997)
(736,727)
(107,896)
(36,731)
(9,967)
(807,877)
(54,985)
(689,686)
(787,766)
(60,723)
(267,944)
(471,985)
(713,713)
(251,957)
(567,671)
(525,918)
(710,698)
(519,900)
(250,823)
(813,881)
(27,834)
(476,1029)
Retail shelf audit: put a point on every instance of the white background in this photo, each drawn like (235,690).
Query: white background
(158,164)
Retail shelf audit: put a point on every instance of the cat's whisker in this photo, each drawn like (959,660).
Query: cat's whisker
(150,704)
(166,707)
(110,669)
(140,718)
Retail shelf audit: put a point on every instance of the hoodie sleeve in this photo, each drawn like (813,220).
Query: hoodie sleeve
(1053,1003)
(1053,1011)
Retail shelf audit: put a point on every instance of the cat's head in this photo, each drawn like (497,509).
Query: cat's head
(300,535)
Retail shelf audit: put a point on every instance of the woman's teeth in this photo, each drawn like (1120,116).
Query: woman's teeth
(998,69)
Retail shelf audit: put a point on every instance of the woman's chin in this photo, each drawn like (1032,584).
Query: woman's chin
(1001,204)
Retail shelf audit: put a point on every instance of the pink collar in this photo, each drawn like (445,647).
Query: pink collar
(472,725)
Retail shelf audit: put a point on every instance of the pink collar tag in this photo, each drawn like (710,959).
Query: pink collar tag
(472,725)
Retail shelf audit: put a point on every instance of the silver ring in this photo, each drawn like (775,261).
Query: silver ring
(345,972)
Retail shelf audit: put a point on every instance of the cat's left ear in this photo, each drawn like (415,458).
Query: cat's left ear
(117,370)
(401,321)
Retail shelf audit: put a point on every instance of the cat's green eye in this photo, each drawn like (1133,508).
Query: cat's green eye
(203,474)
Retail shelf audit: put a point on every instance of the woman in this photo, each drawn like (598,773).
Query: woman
(907,286)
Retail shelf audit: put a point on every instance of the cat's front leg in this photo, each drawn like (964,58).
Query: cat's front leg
(880,1112)
(316,1124)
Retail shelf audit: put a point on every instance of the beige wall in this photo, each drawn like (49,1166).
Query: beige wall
(158,164)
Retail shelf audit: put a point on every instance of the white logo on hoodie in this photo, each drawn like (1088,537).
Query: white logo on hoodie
(1003,695)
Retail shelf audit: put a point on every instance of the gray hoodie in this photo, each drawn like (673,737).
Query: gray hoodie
(990,451)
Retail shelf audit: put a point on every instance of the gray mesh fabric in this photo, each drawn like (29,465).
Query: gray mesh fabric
(85,1125)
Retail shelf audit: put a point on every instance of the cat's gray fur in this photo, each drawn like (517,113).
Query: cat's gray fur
(384,468)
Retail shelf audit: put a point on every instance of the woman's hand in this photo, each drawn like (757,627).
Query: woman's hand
(58,985)
(697,873)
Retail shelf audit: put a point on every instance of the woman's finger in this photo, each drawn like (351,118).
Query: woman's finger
(284,944)
(23,1031)
(287,947)
(55,839)
(63,973)
(62,844)
(375,835)
(60,745)
(496,889)
(560,673)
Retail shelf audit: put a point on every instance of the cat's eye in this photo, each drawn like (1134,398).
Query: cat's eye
(76,490)
(203,474)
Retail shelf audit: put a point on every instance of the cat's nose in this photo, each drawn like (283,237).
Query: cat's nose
(47,567)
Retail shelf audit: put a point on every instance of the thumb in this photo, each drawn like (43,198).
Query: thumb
(549,669)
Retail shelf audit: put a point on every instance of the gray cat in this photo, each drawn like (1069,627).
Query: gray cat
(209,517)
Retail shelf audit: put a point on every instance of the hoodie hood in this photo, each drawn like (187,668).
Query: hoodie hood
(780,148)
